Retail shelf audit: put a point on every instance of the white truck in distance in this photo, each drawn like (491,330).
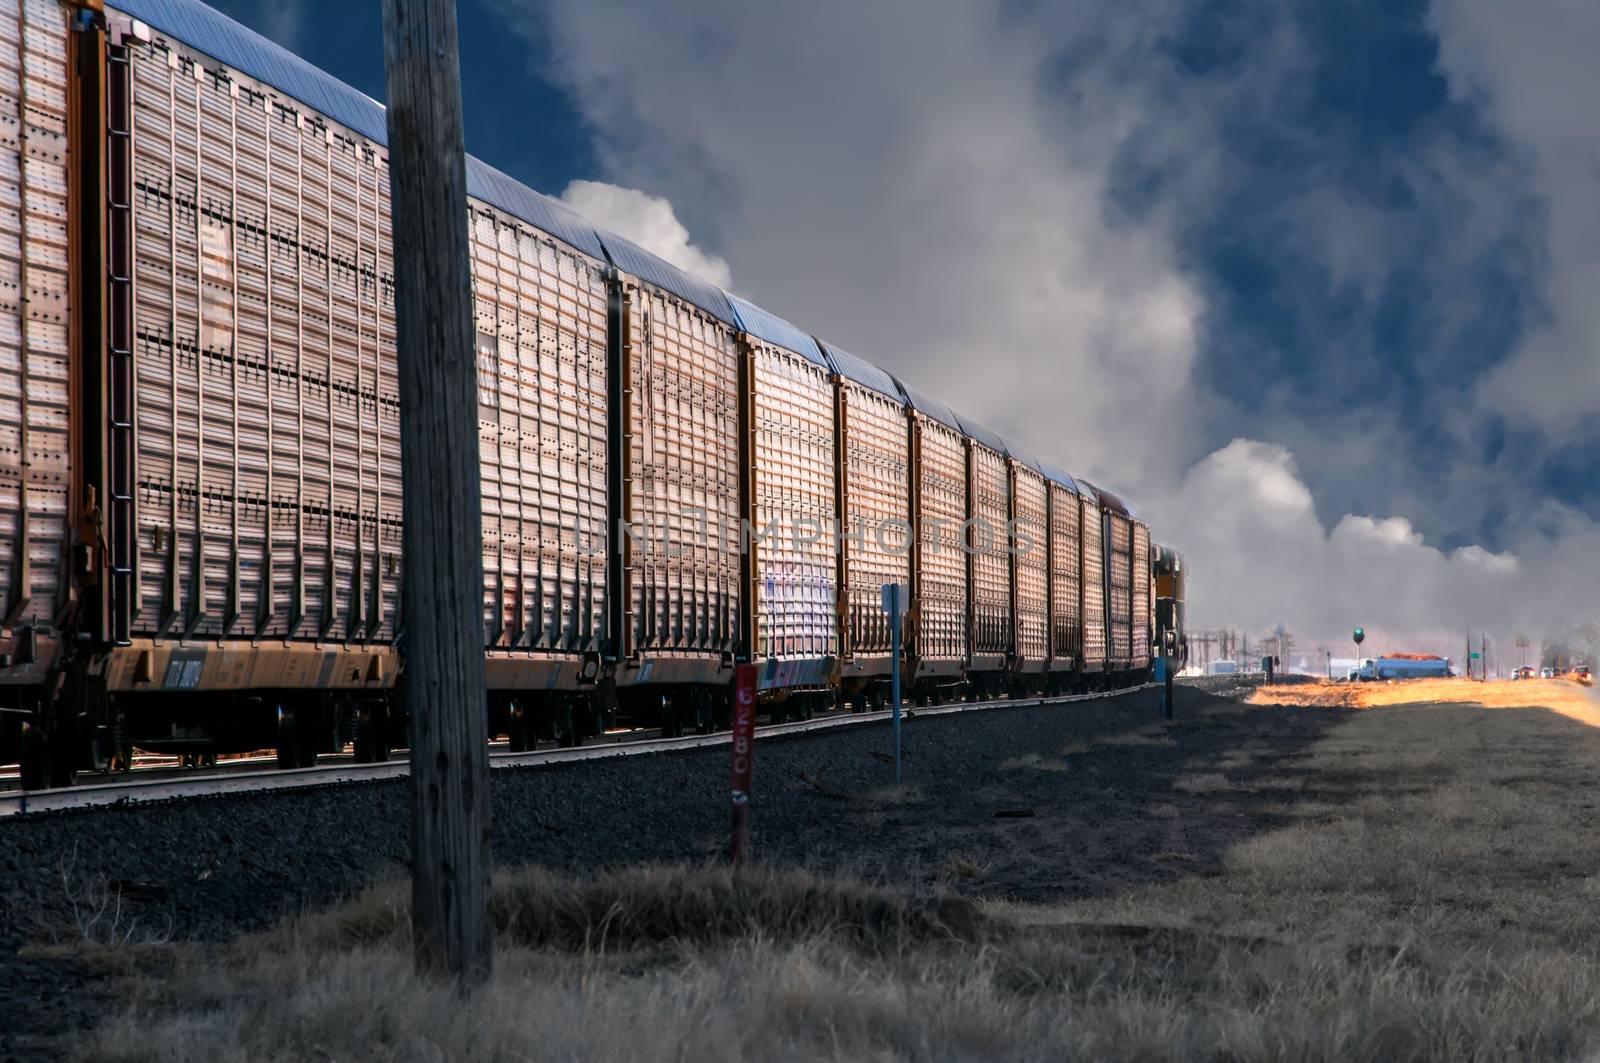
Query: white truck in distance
(1374,668)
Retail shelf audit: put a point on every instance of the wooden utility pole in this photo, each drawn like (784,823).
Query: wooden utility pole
(443,577)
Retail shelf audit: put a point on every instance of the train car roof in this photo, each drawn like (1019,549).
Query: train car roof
(861,371)
(540,211)
(931,408)
(1057,475)
(774,329)
(982,435)
(1024,457)
(629,257)
(1114,503)
(211,32)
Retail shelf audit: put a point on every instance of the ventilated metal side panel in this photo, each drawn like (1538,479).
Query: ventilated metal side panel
(942,505)
(541,339)
(877,512)
(1066,618)
(1141,595)
(34,421)
(796,570)
(1031,562)
(1094,582)
(991,560)
(683,471)
(1119,581)
(267,413)
(381,411)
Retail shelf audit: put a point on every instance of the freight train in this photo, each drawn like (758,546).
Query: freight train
(200,475)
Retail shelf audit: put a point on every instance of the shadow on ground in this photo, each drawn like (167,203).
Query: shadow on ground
(1054,811)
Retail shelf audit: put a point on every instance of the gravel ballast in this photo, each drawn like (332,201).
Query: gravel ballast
(208,868)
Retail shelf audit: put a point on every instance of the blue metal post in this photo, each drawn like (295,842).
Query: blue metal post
(894,624)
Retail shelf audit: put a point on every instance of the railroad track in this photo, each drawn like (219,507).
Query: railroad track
(157,767)
(226,780)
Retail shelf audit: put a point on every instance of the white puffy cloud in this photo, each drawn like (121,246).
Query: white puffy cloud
(896,177)
(648,221)
(1260,556)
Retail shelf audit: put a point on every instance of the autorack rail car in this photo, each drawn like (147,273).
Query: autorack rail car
(873,443)
(790,556)
(991,633)
(200,474)
(938,653)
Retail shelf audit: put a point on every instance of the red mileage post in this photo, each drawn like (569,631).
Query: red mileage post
(744,751)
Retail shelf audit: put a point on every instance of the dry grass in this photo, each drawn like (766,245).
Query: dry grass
(1034,762)
(1245,756)
(1567,697)
(1155,735)
(1431,900)
(804,972)
(1205,783)
(908,794)
(962,867)
(97,911)
(1436,828)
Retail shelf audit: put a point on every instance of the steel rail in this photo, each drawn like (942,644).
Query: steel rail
(21,802)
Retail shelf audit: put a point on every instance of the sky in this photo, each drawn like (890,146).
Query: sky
(1311,284)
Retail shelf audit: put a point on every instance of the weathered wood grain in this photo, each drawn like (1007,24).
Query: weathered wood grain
(442,584)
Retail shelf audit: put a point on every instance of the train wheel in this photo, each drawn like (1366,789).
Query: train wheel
(64,753)
(288,739)
(98,750)
(381,744)
(545,722)
(593,716)
(371,739)
(307,746)
(35,757)
(671,717)
(516,728)
(567,736)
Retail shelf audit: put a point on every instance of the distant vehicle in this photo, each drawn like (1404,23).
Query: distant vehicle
(1416,666)
(1582,671)
(1525,672)
(1547,673)
(1222,668)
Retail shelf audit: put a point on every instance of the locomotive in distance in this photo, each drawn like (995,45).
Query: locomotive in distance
(200,497)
